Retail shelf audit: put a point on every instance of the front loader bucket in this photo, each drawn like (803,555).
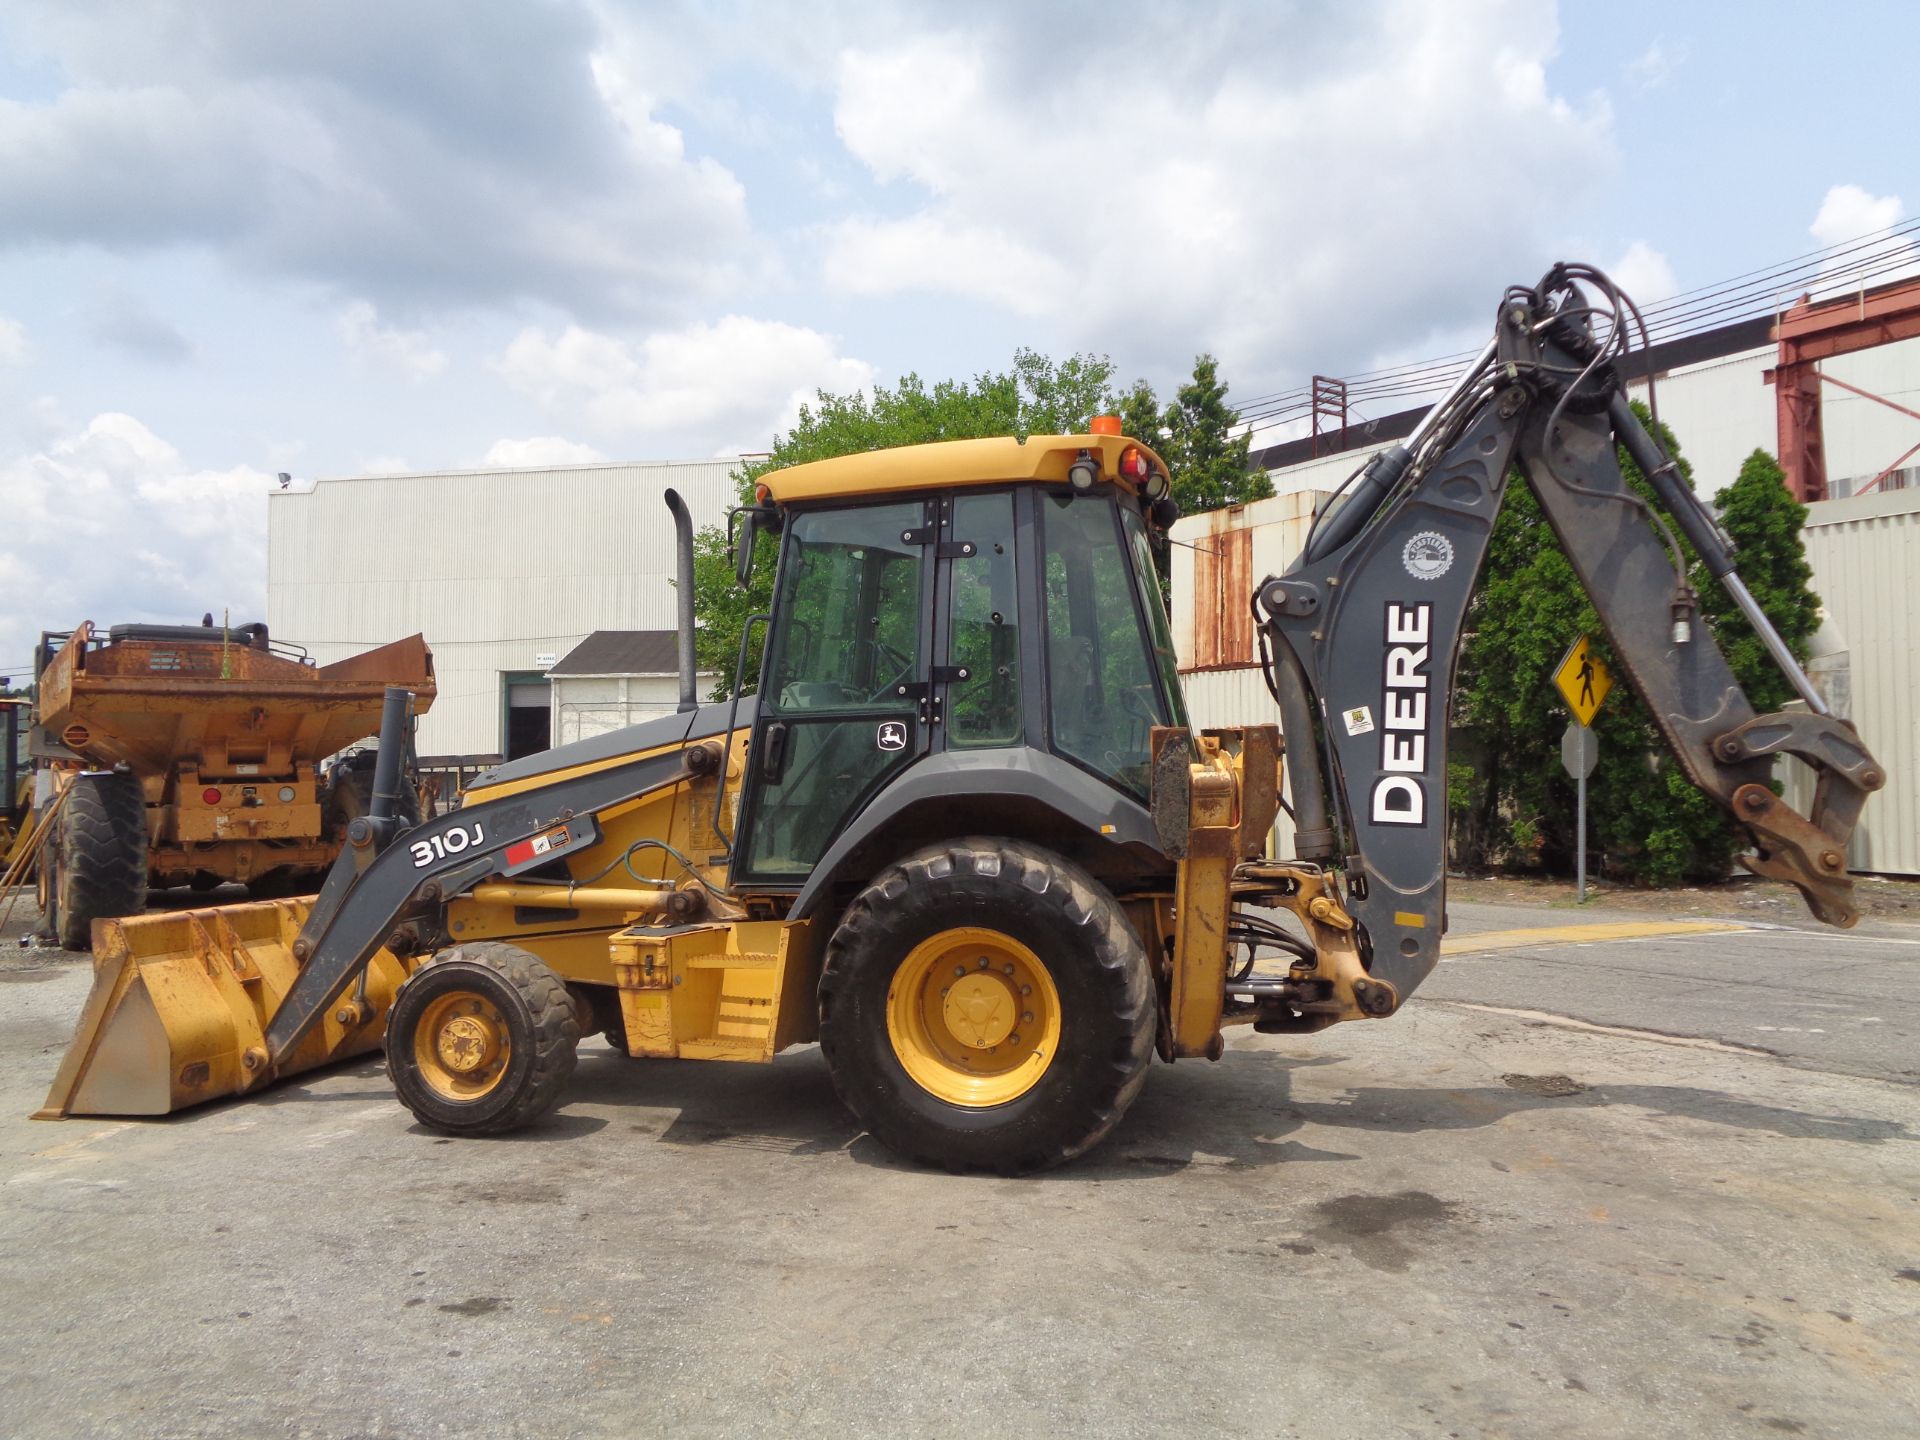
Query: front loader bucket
(180,1005)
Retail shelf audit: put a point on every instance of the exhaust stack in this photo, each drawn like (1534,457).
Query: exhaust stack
(683,544)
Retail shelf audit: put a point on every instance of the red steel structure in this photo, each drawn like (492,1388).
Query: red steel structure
(1807,334)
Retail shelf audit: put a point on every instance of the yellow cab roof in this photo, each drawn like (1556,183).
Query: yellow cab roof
(945,464)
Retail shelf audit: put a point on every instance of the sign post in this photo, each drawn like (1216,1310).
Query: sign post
(1583,682)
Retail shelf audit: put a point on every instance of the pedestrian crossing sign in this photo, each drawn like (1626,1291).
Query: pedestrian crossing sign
(1583,681)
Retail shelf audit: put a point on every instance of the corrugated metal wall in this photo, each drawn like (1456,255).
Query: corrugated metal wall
(586,705)
(1217,560)
(1865,552)
(496,567)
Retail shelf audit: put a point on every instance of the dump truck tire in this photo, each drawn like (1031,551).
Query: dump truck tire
(481,1039)
(934,973)
(100,864)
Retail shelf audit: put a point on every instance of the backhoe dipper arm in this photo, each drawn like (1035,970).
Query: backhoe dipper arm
(1362,634)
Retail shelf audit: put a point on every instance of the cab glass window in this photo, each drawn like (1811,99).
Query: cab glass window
(850,610)
(1166,663)
(983,636)
(1104,692)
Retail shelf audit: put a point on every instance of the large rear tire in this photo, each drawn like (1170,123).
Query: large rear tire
(99,855)
(985,1005)
(481,1039)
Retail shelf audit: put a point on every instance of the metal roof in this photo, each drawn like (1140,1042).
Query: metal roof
(622,652)
(1667,355)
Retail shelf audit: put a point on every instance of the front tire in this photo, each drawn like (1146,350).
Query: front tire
(985,1005)
(481,1039)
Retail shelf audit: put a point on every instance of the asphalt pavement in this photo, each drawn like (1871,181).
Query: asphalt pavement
(1846,1001)
(1576,1189)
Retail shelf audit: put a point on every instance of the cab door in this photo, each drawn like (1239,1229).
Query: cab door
(844,684)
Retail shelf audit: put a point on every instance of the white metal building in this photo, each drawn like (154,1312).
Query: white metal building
(1720,410)
(1865,551)
(504,571)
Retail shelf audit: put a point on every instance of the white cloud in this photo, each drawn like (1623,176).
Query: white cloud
(13,342)
(539,450)
(1645,275)
(1851,214)
(1262,206)
(125,322)
(729,385)
(1848,212)
(415,153)
(1656,65)
(110,523)
(935,250)
(407,352)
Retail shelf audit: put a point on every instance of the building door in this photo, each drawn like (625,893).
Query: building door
(529,715)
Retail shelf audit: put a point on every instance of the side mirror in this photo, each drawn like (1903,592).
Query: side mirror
(743,552)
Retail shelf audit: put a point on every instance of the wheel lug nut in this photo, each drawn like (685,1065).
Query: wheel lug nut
(1013,1039)
(1009,969)
(1026,989)
(984,962)
(1026,1017)
(959,970)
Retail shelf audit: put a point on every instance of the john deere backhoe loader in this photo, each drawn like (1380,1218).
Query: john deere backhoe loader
(962,833)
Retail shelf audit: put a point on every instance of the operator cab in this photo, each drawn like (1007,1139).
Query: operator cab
(971,626)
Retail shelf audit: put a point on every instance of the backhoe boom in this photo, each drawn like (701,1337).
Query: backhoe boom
(1363,633)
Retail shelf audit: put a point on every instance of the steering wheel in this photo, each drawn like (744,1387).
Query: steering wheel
(896,662)
(1136,701)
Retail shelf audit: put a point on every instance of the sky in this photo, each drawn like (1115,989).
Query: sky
(357,236)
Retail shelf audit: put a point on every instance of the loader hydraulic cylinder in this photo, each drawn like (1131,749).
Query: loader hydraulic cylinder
(395,716)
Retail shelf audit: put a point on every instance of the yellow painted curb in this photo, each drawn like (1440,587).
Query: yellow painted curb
(1582,934)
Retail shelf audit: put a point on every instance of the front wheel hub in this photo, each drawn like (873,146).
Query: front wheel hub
(466,1043)
(460,1045)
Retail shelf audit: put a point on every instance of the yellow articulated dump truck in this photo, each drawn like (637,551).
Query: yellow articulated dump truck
(190,755)
(958,827)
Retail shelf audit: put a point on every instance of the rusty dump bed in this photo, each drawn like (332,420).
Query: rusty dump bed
(144,702)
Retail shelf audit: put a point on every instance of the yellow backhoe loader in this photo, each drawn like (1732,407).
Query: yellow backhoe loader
(961,831)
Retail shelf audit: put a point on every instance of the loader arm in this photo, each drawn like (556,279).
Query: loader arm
(1361,636)
(384,874)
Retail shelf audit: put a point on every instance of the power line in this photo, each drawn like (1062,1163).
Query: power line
(1846,264)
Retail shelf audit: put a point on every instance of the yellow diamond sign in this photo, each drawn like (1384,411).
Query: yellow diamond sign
(1583,681)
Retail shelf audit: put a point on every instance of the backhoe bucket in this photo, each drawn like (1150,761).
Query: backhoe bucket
(180,1005)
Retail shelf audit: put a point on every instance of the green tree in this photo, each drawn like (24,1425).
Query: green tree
(1034,397)
(1649,823)
(1141,417)
(1207,462)
(1762,518)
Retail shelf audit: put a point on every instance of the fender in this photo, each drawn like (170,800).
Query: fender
(1107,827)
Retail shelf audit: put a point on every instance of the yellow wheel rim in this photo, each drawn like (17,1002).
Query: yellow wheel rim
(461,1046)
(974,1017)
